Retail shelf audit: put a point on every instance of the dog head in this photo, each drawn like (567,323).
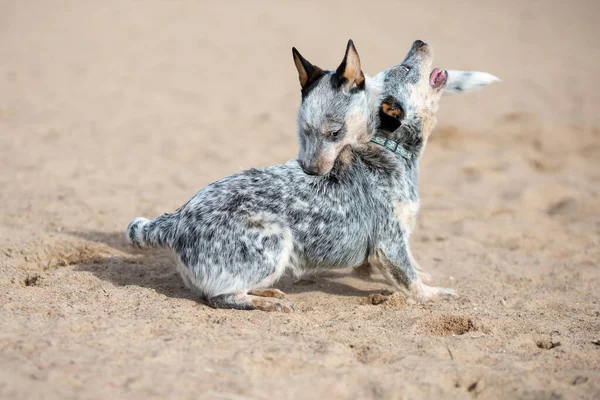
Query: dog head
(343,108)
(334,113)
(411,92)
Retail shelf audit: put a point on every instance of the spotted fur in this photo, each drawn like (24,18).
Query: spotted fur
(243,232)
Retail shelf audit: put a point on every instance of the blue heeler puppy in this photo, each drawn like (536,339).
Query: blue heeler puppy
(350,198)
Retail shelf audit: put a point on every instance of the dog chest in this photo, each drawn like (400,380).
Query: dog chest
(406,213)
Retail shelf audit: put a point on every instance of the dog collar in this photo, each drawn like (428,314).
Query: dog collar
(394,146)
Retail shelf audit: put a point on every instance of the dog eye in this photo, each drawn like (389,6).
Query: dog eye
(405,68)
(334,134)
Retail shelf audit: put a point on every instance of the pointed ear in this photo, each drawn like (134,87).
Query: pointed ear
(349,70)
(392,108)
(307,73)
(390,114)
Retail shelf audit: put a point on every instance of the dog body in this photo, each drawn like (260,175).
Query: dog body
(244,231)
(344,202)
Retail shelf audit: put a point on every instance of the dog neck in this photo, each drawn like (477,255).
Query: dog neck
(409,134)
(395,147)
(408,137)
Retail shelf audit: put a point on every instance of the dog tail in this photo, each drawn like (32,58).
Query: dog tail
(468,81)
(159,232)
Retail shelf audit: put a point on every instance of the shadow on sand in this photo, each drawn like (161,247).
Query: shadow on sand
(155,269)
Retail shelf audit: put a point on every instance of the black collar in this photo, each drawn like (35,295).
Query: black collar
(394,146)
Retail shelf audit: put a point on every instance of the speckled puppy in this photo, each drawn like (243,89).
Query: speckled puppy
(345,201)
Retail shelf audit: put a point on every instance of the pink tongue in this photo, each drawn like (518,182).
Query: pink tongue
(433,78)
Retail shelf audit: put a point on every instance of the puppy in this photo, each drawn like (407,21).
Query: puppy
(350,198)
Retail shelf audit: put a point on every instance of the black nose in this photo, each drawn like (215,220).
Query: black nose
(307,171)
(418,44)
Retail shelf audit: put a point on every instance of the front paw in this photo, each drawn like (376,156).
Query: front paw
(422,293)
(425,277)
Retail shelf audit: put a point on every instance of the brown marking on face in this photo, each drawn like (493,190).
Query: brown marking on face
(356,132)
(328,129)
(356,128)
(276,293)
(325,159)
(339,152)
(344,159)
(425,99)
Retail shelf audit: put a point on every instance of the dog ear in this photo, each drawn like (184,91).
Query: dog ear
(392,108)
(307,73)
(468,81)
(390,114)
(349,71)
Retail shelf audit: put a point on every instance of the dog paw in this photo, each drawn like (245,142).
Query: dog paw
(424,276)
(423,293)
(271,304)
(444,293)
(268,293)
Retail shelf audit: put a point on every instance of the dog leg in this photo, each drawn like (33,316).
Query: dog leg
(271,304)
(364,271)
(424,276)
(405,278)
(268,293)
(242,301)
(393,258)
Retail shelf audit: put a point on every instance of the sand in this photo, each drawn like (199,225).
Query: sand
(109,110)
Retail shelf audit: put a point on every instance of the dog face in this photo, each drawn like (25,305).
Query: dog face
(337,111)
(333,114)
(412,91)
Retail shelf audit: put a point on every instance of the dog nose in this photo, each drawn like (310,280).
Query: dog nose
(307,170)
(418,44)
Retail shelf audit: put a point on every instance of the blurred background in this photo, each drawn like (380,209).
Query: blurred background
(111,95)
(114,109)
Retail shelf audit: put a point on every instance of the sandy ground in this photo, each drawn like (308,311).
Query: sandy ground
(110,110)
